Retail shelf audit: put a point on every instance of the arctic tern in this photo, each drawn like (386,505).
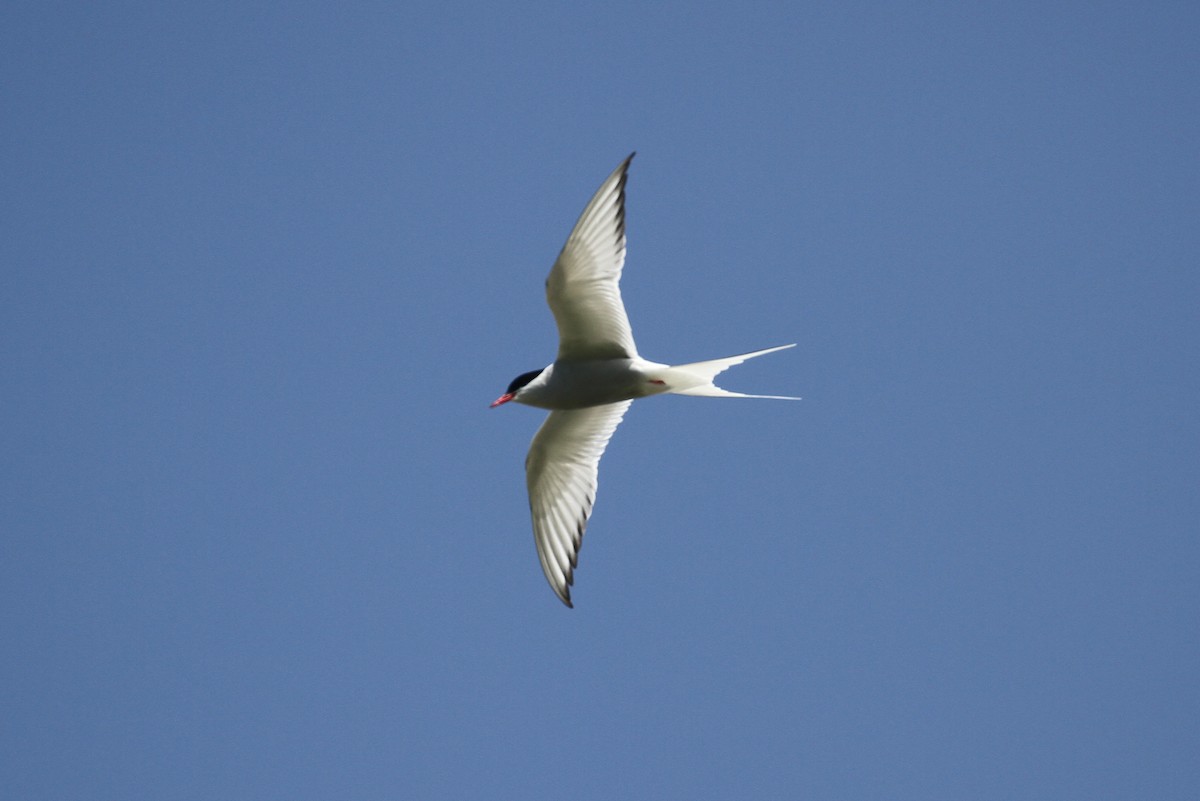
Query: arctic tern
(596,375)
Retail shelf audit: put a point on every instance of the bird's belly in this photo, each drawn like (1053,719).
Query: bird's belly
(578,386)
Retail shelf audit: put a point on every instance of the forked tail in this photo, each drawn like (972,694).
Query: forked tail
(697,378)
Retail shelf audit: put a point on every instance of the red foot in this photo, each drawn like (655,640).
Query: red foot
(656,381)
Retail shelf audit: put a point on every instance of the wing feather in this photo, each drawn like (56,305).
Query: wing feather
(583,289)
(561,474)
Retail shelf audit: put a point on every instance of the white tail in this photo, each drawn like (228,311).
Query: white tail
(697,378)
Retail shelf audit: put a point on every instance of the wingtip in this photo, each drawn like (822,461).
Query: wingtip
(564,592)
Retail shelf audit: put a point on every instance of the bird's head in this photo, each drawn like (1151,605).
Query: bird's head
(518,384)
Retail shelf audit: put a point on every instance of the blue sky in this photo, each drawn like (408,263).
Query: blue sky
(267,264)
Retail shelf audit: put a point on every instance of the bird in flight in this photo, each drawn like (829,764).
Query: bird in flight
(595,376)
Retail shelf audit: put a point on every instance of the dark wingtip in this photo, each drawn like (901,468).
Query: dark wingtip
(624,168)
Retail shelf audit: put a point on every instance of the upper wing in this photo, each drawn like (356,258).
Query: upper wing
(560,472)
(583,290)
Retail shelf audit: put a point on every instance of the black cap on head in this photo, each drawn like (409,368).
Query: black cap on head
(522,380)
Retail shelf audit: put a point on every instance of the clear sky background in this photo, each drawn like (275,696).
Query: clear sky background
(265,266)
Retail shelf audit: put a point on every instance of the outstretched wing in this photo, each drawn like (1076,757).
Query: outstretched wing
(583,288)
(560,472)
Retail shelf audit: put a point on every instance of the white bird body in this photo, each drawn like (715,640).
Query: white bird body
(578,385)
(595,377)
